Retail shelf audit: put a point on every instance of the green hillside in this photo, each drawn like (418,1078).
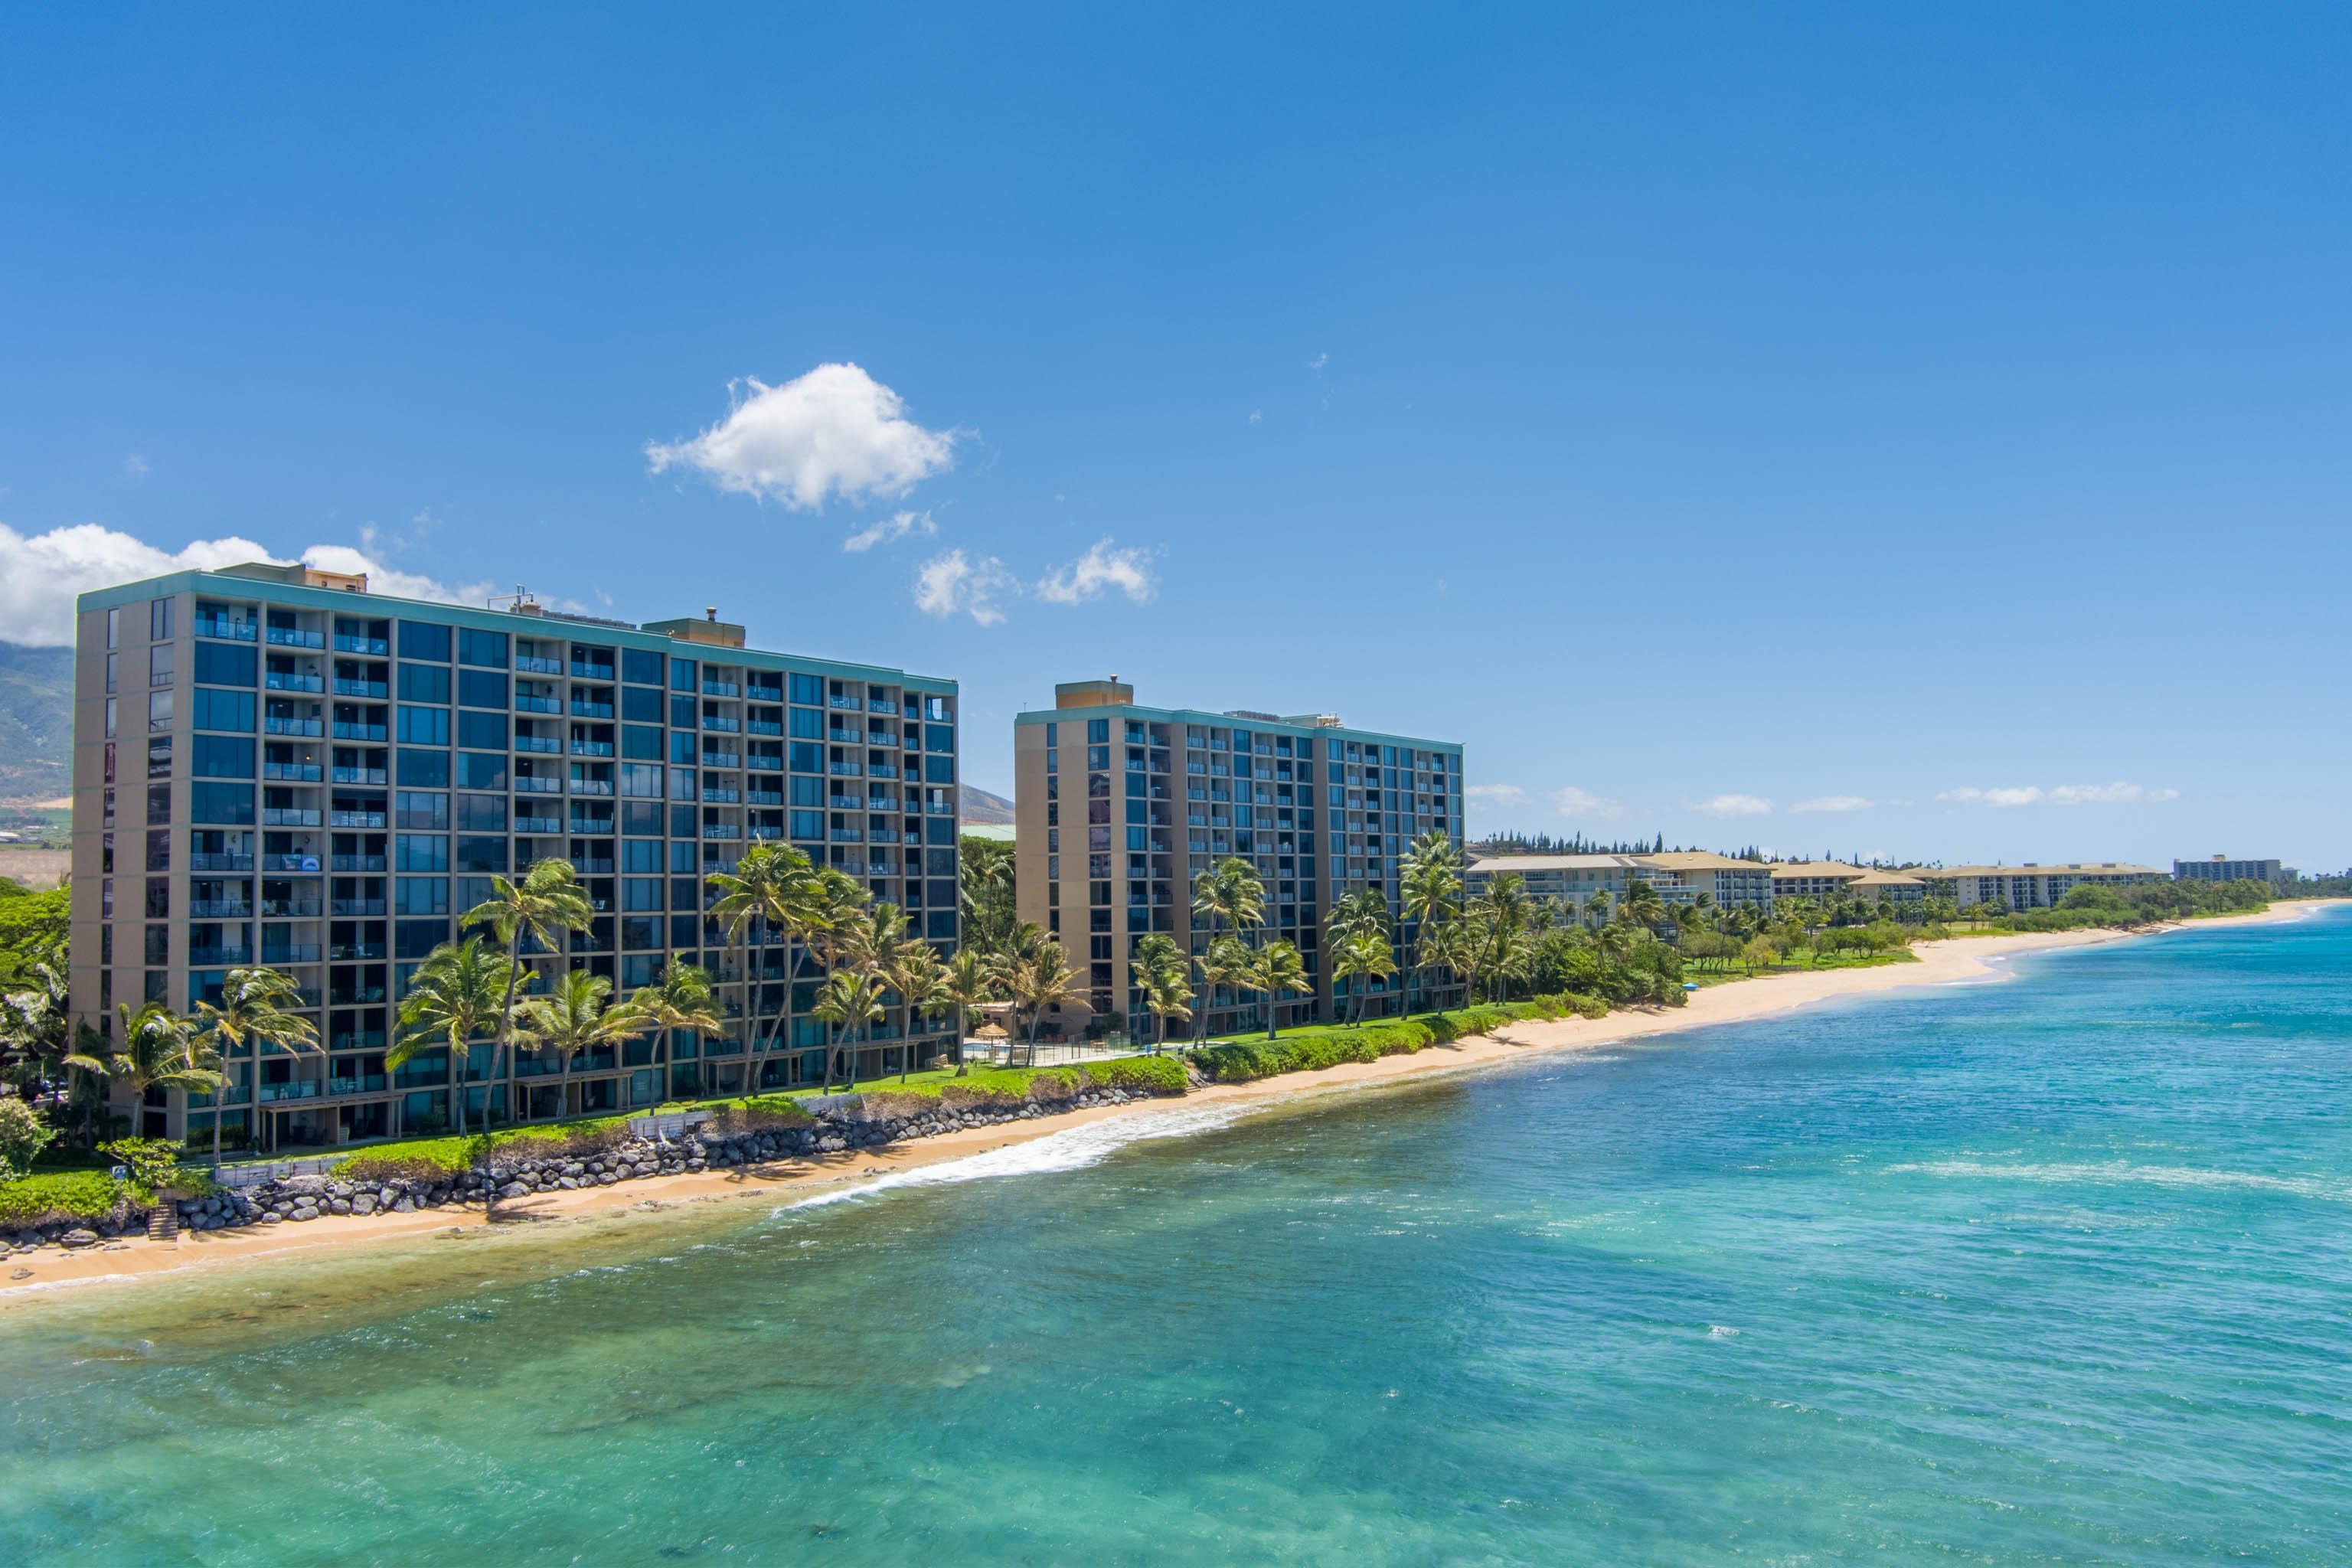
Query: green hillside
(35,721)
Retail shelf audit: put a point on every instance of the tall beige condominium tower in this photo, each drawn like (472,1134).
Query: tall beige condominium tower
(274,765)
(1118,806)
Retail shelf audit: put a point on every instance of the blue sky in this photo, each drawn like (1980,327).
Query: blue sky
(1699,412)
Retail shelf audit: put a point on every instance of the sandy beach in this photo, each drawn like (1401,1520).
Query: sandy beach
(1958,960)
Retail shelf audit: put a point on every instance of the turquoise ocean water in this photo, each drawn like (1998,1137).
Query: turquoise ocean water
(2053,1271)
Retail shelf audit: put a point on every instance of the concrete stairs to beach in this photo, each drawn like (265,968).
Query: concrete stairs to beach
(163,1222)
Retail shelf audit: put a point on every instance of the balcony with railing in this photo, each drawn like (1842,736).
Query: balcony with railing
(530,825)
(583,710)
(354,993)
(288,816)
(846,770)
(355,820)
(882,835)
(291,772)
(590,671)
(227,628)
(203,862)
(357,1040)
(531,663)
(881,771)
(881,705)
(593,865)
(764,832)
(847,836)
(375,647)
(763,797)
(721,688)
(286,680)
(290,953)
(841,737)
(764,762)
(593,826)
(531,783)
(763,727)
(364,1083)
(544,744)
(591,786)
(347,730)
(939,808)
(375,690)
(722,726)
(845,704)
(219,909)
(722,759)
(882,868)
(355,909)
(295,636)
(289,908)
(881,803)
(299,1088)
(592,748)
(721,830)
(528,702)
(358,775)
(220,956)
(358,863)
(276,725)
(300,865)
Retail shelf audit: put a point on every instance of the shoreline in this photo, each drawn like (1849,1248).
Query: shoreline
(1952,960)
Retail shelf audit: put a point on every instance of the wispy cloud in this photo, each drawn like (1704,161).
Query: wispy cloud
(889,530)
(1735,805)
(41,574)
(1835,803)
(834,431)
(134,467)
(1129,571)
(1571,801)
(1499,794)
(955,582)
(2117,794)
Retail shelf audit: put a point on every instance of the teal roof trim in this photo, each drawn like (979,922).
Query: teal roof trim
(331,599)
(1255,726)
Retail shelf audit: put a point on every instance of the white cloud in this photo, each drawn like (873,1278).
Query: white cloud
(1835,803)
(134,467)
(41,575)
(1101,567)
(1571,801)
(889,530)
(1257,416)
(2117,794)
(1318,362)
(1735,805)
(835,431)
(1500,794)
(946,584)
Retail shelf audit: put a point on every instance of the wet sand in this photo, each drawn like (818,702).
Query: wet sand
(1957,960)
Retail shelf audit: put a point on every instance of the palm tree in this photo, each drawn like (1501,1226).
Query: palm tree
(1362,955)
(985,895)
(1641,906)
(1233,893)
(1160,971)
(1271,970)
(680,999)
(573,1018)
(848,1000)
(458,992)
(970,979)
(920,979)
(772,888)
(1221,965)
(547,900)
(161,1049)
(1596,909)
(36,1022)
(256,1005)
(1037,980)
(1429,887)
(1363,914)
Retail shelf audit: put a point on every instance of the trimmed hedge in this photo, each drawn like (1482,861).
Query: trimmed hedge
(48,1198)
(764,1113)
(1318,1045)
(1006,1089)
(425,1159)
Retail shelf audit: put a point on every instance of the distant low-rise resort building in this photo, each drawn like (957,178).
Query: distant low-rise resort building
(2034,886)
(1119,805)
(1575,877)
(2221,869)
(1831,880)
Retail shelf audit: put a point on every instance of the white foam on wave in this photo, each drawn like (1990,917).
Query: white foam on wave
(1073,1149)
(2103,1171)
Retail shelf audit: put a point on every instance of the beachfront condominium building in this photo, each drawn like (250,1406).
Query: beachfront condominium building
(2221,869)
(1568,879)
(1677,876)
(1829,881)
(274,765)
(1680,875)
(1118,806)
(2034,887)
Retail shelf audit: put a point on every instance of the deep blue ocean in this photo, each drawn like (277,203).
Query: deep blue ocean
(2055,1270)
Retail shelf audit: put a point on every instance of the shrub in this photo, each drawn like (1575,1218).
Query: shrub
(52,1197)
(22,1135)
(763,1114)
(417,1159)
(1140,1075)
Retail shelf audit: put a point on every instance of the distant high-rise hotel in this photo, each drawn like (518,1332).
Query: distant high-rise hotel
(274,765)
(2221,869)
(1118,806)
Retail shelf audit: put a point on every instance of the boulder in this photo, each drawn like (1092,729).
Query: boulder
(78,1237)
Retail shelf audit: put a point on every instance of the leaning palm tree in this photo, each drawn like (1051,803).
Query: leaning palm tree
(1038,980)
(256,1005)
(770,890)
(920,980)
(1596,908)
(458,993)
(1429,885)
(1221,965)
(1231,892)
(848,1000)
(971,979)
(1362,956)
(572,1018)
(680,999)
(159,1048)
(547,900)
(1158,968)
(1641,906)
(1271,970)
